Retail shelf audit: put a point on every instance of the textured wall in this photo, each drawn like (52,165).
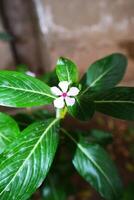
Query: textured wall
(91,29)
(85,30)
(97,15)
(5,54)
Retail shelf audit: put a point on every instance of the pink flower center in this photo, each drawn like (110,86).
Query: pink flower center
(64,94)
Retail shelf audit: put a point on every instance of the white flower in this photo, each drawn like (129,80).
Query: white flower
(65,94)
(30,73)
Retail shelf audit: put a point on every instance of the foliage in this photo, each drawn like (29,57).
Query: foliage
(5,36)
(27,155)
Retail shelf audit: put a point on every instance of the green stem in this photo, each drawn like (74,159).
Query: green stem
(60,113)
(57,113)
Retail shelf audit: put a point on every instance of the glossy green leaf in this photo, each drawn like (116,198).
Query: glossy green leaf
(96,136)
(82,109)
(66,70)
(26,162)
(117,102)
(96,167)
(9,131)
(105,73)
(53,190)
(20,90)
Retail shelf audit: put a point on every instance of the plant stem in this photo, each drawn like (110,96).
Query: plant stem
(57,113)
(60,113)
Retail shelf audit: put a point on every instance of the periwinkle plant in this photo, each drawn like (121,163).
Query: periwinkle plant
(27,156)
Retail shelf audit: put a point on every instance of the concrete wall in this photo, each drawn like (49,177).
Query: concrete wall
(5,53)
(94,15)
(85,30)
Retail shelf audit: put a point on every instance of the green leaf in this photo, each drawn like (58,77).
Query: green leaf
(53,190)
(5,36)
(9,131)
(22,68)
(96,167)
(25,119)
(50,78)
(82,109)
(104,73)
(20,90)
(66,70)
(96,136)
(100,137)
(26,162)
(117,102)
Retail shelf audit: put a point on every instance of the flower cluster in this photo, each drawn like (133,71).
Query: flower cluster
(65,95)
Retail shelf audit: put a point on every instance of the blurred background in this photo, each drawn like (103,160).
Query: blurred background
(39,31)
(84,31)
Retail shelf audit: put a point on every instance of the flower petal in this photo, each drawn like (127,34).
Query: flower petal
(73,91)
(59,102)
(64,85)
(56,91)
(30,73)
(70,101)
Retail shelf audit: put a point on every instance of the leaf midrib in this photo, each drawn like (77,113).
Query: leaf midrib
(27,90)
(30,154)
(101,76)
(116,101)
(89,157)
(96,165)
(6,138)
(69,78)
(80,106)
